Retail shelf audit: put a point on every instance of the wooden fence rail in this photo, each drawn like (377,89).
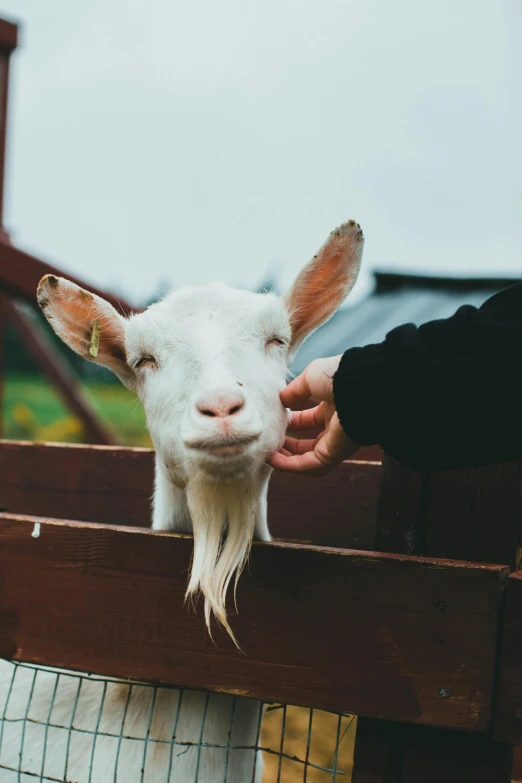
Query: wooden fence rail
(114,485)
(421,647)
(322,626)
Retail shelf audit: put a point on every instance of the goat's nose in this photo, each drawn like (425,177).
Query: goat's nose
(220,405)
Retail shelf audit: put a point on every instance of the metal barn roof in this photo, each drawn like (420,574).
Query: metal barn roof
(397,299)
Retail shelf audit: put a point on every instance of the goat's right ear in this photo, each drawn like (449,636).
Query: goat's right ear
(86,323)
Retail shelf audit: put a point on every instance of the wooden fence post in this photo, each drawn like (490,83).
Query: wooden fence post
(58,372)
(8,43)
(3,324)
(470,514)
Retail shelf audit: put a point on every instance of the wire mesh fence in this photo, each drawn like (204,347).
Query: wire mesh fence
(59,726)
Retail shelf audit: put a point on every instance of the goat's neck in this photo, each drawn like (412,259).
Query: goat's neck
(171,512)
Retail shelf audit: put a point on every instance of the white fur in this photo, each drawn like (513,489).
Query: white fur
(210,390)
(212,343)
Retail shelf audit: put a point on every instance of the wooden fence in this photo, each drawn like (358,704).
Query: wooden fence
(388,593)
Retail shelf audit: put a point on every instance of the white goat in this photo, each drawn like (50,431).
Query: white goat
(208,364)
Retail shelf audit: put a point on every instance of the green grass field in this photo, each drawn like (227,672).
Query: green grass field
(34,411)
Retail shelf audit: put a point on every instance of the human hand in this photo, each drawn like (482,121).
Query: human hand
(323,453)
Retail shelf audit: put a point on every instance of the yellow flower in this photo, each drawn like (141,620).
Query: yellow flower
(65,430)
(22,415)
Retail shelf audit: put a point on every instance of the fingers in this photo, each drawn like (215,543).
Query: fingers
(303,420)
(318,456)
(300,463)
(296,392)
(300,445)
(315,381)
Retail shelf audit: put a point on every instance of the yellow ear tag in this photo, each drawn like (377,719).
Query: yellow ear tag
(95,338)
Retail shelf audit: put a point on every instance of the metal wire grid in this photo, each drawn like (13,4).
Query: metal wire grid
(27,733)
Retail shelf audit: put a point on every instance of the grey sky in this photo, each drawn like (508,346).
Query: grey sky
(211,140)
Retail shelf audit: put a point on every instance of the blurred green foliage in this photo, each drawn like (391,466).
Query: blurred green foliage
(34,411)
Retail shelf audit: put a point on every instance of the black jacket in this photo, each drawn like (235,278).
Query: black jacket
(447,394)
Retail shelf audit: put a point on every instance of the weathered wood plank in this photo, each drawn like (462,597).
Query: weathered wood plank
(340,630)
(378,752)
(468,514)
(3,325)
(379,745)
(114,485)
(21,272)
(337,510)
(8,35)
(400,510)
(441,756)
(508,707)
(475,514)
(91,483)
(8,38)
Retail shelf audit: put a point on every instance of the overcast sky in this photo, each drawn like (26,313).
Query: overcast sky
(190,141)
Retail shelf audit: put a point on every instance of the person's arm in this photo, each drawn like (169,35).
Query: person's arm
(444,395)
(447,394)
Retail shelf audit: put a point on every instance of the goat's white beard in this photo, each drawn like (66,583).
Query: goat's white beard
(223,521)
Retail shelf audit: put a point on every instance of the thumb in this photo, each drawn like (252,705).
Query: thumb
(336,444)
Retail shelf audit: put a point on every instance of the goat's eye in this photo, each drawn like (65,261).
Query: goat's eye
(276,341)
(146,363)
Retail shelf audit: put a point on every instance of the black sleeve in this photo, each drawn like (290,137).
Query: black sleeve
(447,394)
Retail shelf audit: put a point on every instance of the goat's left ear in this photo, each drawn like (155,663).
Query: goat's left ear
(325,282)
(86,323)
